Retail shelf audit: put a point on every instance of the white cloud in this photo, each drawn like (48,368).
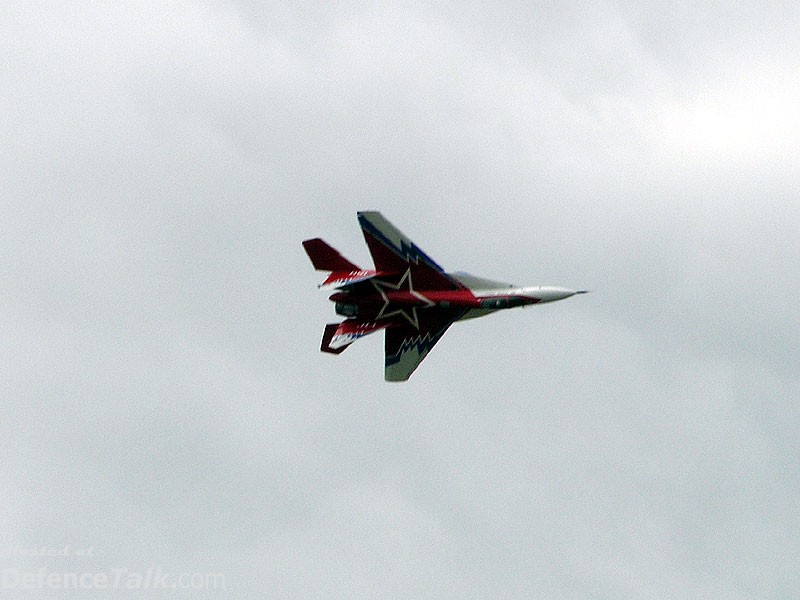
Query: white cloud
(164,396)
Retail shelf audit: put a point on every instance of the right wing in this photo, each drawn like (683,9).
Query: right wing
(393,252)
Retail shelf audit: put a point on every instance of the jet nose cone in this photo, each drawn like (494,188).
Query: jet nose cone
(559,293)
(551,294)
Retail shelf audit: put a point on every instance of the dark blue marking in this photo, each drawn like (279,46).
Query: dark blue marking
(408,253)
(422,342)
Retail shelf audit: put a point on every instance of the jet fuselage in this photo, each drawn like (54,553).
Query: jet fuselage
(472,299)
(407,294)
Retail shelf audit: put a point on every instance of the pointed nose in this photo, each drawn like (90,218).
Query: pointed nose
(551,294)
(558,293)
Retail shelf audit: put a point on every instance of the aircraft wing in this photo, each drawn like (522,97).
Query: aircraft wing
(406,346)
(393,252)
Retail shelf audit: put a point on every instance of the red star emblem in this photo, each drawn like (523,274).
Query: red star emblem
(405,283)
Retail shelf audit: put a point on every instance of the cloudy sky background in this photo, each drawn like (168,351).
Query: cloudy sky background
(164,400)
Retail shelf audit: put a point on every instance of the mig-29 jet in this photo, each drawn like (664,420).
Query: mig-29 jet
(408,294)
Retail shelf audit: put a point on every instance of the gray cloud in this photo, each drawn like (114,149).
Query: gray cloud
(164,399)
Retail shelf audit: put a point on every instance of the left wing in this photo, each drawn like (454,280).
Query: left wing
(406,346)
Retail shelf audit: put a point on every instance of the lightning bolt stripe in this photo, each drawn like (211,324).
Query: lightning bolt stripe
(375,225)
(405,348)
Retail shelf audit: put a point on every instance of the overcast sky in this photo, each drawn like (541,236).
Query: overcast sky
(164,402)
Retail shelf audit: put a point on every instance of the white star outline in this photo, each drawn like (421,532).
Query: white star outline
(380,285)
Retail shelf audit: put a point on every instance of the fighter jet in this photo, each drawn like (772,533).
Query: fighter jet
(408,294)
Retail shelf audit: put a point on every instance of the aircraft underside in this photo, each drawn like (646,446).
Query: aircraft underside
(408,295)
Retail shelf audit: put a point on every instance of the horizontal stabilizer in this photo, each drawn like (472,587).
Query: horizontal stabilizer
(338,336)
(340,279)
(327,336)
(326,258)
